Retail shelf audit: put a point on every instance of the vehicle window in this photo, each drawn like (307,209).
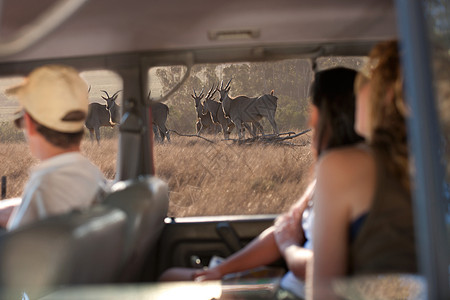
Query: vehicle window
(438,19)
(7,109)
(103,84)
(209,175)
(14,153)
(164,80)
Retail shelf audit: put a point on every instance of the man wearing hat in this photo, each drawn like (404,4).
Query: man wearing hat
(54,102)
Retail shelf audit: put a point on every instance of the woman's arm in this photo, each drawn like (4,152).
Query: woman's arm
(330,229)
(261,251)
(264,249)
(297,259)
(289,236)
(343,178)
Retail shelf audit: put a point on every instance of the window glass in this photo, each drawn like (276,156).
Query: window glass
(103,84)
(8,107)
(438,19)
(15,157)
(164,79)
(209,175)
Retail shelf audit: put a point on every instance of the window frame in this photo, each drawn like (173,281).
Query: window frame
(424,138)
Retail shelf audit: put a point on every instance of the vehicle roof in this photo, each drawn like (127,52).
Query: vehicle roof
(103,27)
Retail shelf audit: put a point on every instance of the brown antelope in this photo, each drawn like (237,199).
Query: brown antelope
(242,109)
(218,117)
(204,119)
(160,111)
(102,115)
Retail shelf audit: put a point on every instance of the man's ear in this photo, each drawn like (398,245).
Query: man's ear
(30,126)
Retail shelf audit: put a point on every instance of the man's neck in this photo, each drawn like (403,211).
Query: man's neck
(46,150)
(58,151)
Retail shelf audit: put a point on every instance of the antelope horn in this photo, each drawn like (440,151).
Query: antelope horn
(115,94)
(209,92)
(212,91)
(107,95)
(201,93)
(228,84)
(221,85)
(195,94)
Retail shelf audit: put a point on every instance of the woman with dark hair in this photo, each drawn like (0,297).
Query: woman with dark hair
(362,202)
(332,118)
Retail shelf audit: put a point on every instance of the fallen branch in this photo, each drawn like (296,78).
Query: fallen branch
(296,135)
(273,138)
(191,135)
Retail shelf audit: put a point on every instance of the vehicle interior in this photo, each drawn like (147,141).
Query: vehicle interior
(130,239)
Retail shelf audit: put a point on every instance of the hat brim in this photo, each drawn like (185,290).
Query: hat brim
(13,91)
(18,117)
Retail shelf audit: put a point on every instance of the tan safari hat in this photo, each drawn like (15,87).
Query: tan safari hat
(50,93)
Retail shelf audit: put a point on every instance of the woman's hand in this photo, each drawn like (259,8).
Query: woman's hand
(288,227)
(288,230)
(208,274)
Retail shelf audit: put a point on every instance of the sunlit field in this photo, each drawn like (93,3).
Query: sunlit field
(204,178)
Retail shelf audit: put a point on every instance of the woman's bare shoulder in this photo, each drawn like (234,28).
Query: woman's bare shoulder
(346,161)
(346,175)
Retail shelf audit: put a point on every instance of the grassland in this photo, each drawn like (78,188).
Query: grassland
(204,179)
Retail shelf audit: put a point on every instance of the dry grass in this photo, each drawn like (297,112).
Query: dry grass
(204,178)
(104,155)
(16,161)
(218,179)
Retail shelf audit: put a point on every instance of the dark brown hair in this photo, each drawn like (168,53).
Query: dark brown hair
(333,95)
(59,139)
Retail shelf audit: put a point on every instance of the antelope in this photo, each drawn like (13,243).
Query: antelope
(216,111)
(204,119)
(243,109)
(112,107)
(102,115)
(160,111)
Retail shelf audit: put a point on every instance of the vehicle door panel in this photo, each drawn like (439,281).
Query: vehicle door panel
(191,242)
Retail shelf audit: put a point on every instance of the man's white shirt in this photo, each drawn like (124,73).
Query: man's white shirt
(56,186)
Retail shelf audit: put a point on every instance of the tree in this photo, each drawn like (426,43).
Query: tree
(290,79)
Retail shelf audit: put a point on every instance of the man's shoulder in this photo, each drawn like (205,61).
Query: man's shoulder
(70,166)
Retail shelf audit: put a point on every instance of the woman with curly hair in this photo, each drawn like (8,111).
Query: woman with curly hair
(362,203)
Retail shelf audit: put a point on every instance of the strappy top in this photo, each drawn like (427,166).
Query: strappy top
(386,241)
(356,225)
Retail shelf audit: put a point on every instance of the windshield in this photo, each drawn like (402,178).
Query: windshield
(209,174)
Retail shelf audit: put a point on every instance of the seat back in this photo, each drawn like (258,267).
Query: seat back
(74,248)
(145,201)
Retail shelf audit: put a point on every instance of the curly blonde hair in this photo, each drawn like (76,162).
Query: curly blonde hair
(388,109)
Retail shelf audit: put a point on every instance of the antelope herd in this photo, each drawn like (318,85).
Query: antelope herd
(213,116)
(109,115)
(236,112)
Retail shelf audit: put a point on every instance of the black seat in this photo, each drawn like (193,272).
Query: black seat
(74,248)
(145,201)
